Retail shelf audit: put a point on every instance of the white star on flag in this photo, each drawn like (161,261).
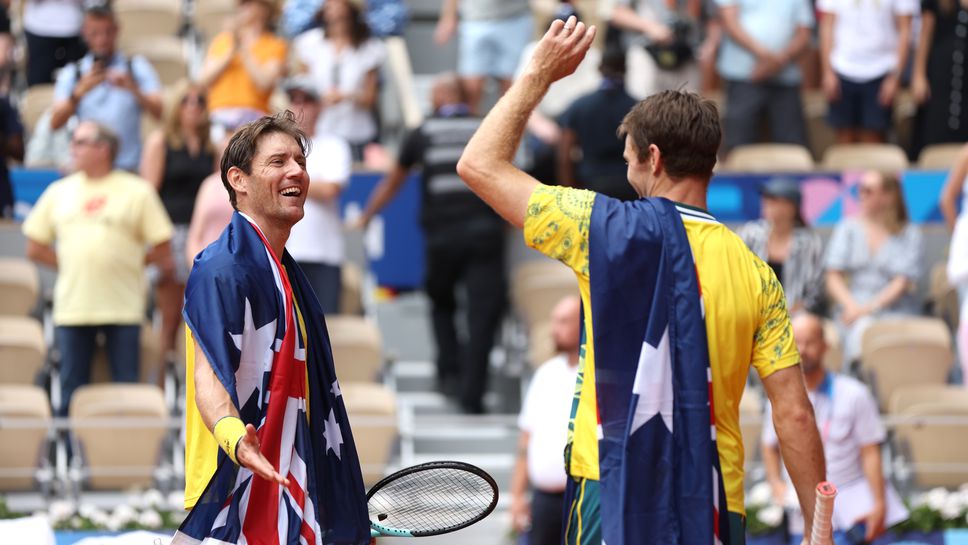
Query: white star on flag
(332,434)
(653,384)
(335,389)
(255,345)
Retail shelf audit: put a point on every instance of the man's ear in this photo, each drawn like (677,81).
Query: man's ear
(238,180)
(655,160)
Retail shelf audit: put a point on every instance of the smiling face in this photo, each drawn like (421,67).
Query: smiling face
(275,190)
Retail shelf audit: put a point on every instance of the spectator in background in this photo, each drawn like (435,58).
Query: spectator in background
(242,67)
(176,160)
(384,17)
(108,87)
(464,242)
(784,241)
(758,61)
(97,228)
(852,432)
(544,432)
(344,62)
(589,126)
(11,148)
(52,29)
(316,242)
(938,78)
(955,187)
(874,260)
(863,51)
(492,35)
(661,37)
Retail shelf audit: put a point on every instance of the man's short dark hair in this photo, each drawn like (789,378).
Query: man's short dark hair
(99,9)
(242,147)
(683,125)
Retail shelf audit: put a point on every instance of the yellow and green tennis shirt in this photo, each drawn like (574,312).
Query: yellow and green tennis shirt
(747,322)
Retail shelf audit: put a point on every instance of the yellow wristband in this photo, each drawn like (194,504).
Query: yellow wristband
(229,430)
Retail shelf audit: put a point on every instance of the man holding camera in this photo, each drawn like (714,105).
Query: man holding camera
(107,86)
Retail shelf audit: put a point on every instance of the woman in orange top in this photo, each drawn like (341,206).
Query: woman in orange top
(243,65)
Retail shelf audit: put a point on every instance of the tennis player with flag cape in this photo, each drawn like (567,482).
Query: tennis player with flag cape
(677,311)
(255,319)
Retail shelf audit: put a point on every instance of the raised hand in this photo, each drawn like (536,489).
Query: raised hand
(561,49)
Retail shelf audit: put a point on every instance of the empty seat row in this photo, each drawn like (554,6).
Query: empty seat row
(793,158)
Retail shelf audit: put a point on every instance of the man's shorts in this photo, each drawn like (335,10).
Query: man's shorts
(858,108)
(493,47)
(583,521)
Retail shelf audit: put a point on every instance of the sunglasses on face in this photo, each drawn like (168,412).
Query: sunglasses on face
(82,142)
(197,100)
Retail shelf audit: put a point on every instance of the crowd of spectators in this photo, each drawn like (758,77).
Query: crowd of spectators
(99,225)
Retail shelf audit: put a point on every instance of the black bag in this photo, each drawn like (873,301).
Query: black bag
(676,54)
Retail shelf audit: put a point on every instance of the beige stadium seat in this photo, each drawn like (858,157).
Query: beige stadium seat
(833,360)
(538,285)
(210,16)
(751,424)
(940,156)
(34,103)
(19,286)
(351,296)
(22,349)
(921,328)
(150,367)
(166,54)
(943,296)
(906,397)
(936,451)
(140,19)
(904,359)
(24,425)
(372,409)
(120,430)
(769,158)
(883,157)
(357,348)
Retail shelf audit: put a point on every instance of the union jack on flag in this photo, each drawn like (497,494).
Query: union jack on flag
(660,475)
(260,326)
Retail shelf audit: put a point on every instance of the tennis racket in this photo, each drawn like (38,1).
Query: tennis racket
(823,514)
(430,499)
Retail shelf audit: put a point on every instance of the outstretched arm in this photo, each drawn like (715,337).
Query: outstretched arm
(486,165)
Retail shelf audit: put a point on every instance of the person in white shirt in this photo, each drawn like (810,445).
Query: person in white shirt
(316,242)
(852,433)
(544,432)
(864,48)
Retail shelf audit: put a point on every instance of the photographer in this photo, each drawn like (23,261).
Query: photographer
(661,37)
(108,87)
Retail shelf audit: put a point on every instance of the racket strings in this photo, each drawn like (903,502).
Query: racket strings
(428,501)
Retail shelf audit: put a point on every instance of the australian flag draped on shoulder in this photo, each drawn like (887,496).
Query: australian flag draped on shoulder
(659,467)
(240,308)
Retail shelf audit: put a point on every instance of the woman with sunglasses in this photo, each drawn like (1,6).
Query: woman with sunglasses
(874,260)
(176,159)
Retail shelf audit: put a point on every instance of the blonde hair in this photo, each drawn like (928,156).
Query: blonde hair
(172,121)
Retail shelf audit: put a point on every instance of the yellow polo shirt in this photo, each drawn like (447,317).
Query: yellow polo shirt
(747,322)
(101,230)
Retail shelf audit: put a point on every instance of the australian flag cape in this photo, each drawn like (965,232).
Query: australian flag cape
(240,308)
(659,467)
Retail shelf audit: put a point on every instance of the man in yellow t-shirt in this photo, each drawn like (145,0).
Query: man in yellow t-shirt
(671,141)
(106,224)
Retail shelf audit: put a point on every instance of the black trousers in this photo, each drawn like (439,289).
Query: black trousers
(477,263)
(47,54)
(746,105)
(547,512)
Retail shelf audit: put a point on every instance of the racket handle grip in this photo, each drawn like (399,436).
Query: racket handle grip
(823,513)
